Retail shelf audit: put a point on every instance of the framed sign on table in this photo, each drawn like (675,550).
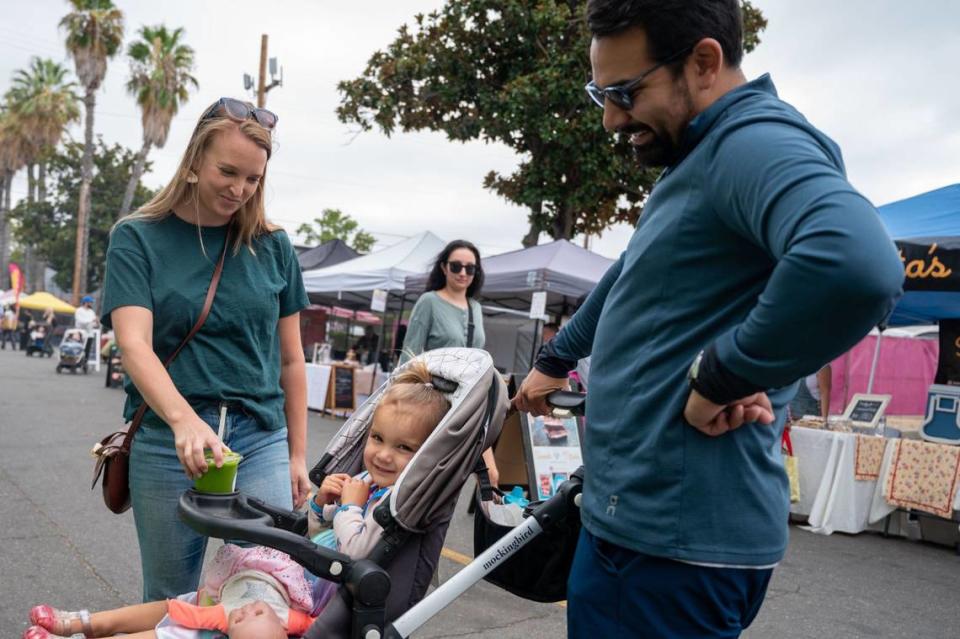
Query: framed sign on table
(865,411)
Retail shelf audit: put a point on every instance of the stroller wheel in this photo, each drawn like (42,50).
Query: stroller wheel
(59,369)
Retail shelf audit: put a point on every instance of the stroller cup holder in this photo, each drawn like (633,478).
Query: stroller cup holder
(237,516)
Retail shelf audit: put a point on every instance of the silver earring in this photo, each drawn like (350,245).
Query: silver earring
(192,178)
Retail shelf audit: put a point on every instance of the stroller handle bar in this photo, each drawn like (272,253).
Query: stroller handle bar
(576,403)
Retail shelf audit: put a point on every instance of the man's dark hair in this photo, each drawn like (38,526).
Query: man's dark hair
(672,25)
(437,280)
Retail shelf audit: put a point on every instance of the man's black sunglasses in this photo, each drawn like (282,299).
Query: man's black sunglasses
(456,267)
(622,94)
(240,111)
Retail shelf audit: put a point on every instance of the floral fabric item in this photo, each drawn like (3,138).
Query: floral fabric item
(231,559)
(869,457)
(923,476)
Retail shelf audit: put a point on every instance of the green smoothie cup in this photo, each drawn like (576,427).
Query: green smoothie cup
(219,481)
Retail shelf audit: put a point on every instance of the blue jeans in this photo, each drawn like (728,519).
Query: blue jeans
(617,592)
(171,553)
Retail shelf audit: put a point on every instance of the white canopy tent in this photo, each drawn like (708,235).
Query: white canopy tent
(351,284)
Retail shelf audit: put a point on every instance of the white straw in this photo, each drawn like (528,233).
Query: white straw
(223,421)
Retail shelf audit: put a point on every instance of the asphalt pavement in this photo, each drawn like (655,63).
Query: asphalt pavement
(59,544)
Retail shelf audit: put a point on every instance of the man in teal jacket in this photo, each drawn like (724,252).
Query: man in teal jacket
(754,263)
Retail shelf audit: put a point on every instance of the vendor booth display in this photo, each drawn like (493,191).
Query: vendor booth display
(851,482)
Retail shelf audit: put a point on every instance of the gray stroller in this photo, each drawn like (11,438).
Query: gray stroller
(380,596)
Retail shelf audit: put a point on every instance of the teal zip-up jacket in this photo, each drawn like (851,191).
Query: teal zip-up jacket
(755,244)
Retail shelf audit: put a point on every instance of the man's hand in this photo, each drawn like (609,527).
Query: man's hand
(714,420)
(532,394)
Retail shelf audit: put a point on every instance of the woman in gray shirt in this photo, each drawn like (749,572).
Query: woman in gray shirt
(443,315)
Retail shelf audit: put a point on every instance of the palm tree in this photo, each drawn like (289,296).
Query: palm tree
(160,79)
(12,145)
(94,34)
(45,104)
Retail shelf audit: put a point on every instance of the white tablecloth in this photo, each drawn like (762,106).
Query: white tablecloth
(318,381)
(830,497)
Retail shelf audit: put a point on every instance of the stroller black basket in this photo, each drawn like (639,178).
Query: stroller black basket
(539,570)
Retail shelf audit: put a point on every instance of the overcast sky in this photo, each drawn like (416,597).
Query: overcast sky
(879,76)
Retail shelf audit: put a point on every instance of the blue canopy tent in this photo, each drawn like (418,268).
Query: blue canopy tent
(926,229)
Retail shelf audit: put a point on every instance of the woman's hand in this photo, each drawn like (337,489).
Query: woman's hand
(299,481)
(191,437)
(355,491)
(330,489)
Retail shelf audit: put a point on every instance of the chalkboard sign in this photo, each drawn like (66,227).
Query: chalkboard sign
(342,389)
(866,410)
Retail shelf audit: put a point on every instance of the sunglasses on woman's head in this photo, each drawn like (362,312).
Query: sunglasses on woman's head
(240,111)
(456,267)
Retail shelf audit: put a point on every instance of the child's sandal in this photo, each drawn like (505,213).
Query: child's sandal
(36,632)
(58,622)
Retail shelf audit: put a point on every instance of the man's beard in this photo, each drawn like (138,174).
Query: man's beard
(662,151)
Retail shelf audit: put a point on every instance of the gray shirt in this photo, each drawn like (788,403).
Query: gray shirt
(436,323)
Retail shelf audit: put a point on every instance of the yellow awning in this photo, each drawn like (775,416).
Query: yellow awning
(42,300)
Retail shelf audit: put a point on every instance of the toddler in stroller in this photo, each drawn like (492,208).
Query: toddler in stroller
(71,355)
(413,514)
(341,518)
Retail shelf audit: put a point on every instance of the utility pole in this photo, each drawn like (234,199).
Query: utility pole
(262,87)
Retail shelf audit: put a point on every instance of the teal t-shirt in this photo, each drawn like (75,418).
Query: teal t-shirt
(235,356)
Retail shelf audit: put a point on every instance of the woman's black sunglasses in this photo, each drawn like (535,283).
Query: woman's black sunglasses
(456,267)
(240,111)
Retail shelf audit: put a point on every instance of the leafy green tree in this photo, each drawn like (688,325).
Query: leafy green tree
(94,34)
(45,103)
(51,227)
(333,224)
(512,71)
(160,79)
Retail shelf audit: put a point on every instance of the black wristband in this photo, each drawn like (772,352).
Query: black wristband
(551,364)
(717,383)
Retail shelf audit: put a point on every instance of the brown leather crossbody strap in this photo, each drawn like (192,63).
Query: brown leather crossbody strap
(207,304)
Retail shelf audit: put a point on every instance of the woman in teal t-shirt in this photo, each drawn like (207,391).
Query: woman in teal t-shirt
(243,371)
(441,317)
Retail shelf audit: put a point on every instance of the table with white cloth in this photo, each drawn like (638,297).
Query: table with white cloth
(831,498)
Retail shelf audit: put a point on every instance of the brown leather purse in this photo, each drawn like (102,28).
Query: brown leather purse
(113,451)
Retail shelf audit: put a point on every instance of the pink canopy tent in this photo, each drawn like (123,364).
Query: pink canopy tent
(905,370)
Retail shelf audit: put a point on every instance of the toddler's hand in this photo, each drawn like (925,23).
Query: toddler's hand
(355,491)
(330,489)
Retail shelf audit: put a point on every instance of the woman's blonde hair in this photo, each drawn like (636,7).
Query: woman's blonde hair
(413,388)
(251,221)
